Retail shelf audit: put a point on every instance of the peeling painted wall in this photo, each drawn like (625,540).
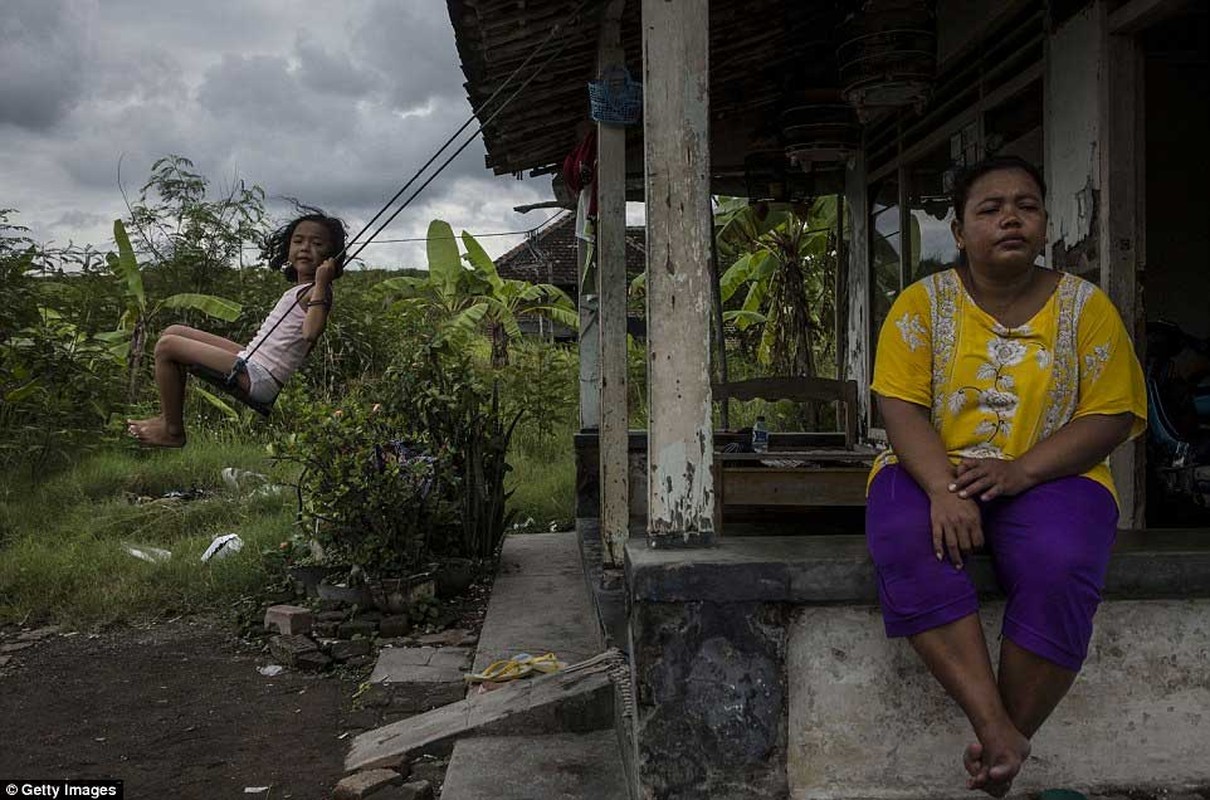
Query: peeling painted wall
(1073,138)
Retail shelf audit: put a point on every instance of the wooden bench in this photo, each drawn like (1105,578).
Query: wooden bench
(816,476)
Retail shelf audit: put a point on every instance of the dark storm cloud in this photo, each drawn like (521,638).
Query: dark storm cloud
(43,49)
(412,42)
(335,104)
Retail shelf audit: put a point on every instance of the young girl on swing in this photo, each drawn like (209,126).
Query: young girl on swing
(310,253)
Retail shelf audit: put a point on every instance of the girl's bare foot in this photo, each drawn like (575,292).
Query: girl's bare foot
(995,762)
(154,432)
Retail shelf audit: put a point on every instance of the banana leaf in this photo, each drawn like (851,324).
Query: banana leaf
(211,305)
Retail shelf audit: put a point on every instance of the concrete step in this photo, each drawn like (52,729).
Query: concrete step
(562,766)
(539,602)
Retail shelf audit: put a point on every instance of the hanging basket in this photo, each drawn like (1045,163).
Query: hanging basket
(616,99)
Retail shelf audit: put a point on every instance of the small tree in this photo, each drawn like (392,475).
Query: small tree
(191,236)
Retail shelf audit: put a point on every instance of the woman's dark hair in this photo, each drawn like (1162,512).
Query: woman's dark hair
(966,178)
(277,246)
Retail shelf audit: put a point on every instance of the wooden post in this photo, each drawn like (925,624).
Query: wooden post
(858,345)
(680,440)
(1121,160)
(611,258)
(589,340)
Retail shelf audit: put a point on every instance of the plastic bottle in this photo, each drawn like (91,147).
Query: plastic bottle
(760,436)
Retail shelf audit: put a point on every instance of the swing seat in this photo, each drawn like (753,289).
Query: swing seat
(218,380)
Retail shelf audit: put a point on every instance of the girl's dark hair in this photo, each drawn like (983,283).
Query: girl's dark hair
(967,176)
(277,246)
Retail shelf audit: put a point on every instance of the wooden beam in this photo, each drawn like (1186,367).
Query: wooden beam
(1136,15)
(676,35)
(611,249)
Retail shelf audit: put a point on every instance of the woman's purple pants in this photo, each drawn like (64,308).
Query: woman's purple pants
(1049,545)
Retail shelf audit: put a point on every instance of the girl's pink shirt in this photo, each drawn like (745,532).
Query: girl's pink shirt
(279,346)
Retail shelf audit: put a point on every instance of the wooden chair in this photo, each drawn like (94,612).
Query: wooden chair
(810,476)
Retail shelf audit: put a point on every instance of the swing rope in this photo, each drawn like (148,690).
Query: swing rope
(558,27)
(230,381)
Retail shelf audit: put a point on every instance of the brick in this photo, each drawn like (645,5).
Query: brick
(344,650)
(366,784)
(412,790)
(313,660)
(289,620)
(429,770)
(356,627)
(395,626)
(331,616)
(287,649)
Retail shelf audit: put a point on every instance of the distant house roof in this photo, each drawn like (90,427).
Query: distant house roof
(549,255)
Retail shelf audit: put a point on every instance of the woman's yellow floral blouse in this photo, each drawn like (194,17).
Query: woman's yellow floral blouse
(995,391)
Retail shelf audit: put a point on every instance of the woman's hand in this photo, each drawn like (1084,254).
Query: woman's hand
(957,526)
(989,478)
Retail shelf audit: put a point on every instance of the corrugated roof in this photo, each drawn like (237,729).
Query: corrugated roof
(549,255)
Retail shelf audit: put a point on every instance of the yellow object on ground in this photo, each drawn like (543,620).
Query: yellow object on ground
(518,666)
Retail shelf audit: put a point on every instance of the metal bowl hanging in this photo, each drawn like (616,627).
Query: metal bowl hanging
(887,54)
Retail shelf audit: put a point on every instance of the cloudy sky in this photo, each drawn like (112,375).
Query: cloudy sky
(335,103)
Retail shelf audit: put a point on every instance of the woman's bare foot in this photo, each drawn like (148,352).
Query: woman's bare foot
(154,432)
(995,762)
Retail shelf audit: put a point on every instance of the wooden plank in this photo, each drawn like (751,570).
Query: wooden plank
(677,144)
(611,248)
(763,486)
(530,705)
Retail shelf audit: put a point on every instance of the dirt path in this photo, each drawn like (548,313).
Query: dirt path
(175,711)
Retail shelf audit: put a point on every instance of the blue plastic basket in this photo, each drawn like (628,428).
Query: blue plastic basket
(616,99)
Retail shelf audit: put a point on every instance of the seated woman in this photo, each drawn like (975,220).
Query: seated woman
(1003,387)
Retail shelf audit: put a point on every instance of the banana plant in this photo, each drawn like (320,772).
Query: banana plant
(784,257)
(464,295)
(128,340)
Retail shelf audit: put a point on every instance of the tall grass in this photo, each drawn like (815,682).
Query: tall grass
(543,479)
(63,545)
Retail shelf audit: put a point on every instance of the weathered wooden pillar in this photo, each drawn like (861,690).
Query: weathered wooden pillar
(1092,158)
(680,441)
(855,363)
(1122,234)
(611,258)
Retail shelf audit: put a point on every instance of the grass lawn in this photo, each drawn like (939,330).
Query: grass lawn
(63,553)
(63,544)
